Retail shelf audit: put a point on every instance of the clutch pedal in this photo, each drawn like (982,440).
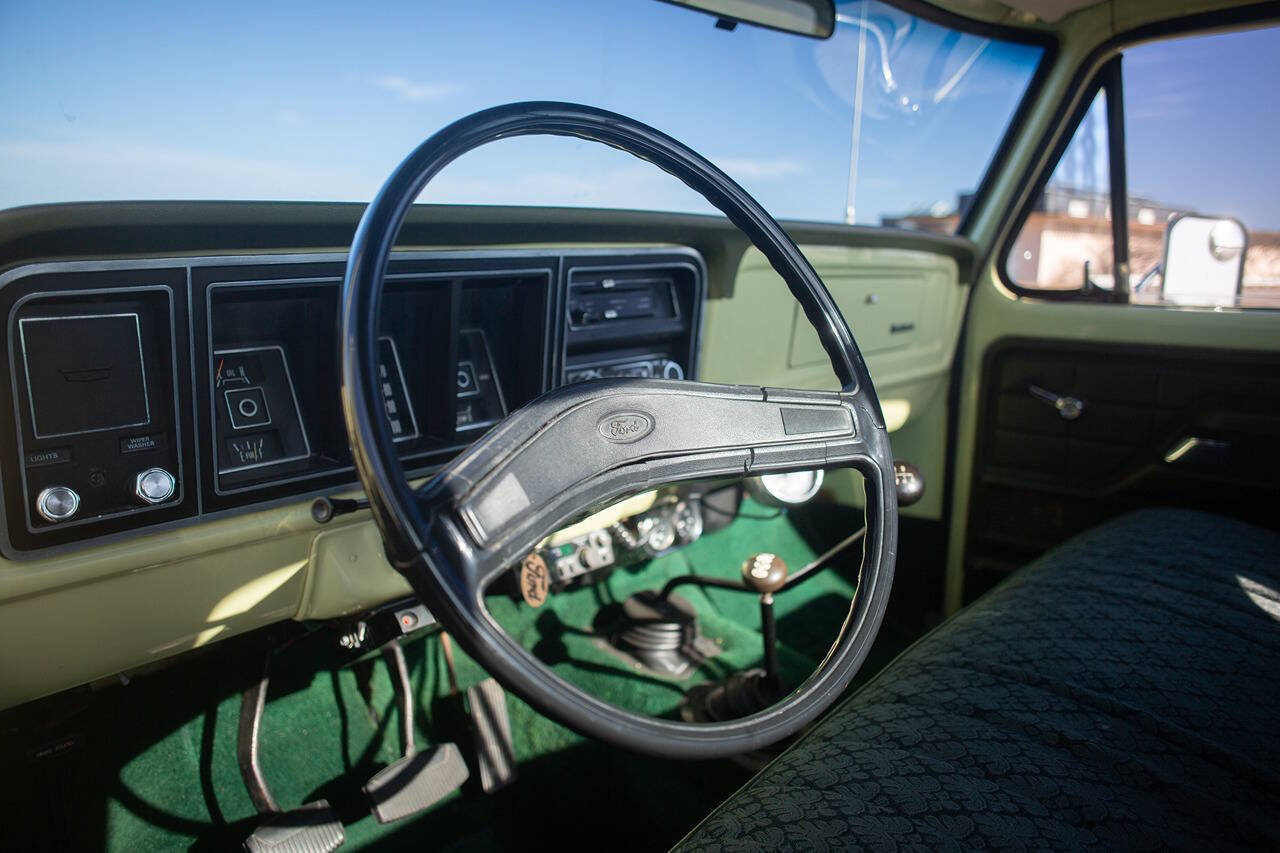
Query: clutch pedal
(310,828)
(418,780)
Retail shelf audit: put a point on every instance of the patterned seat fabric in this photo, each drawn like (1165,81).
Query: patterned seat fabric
(1122,692)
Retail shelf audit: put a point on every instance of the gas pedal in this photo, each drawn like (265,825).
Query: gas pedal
(310,828)
(415,782)
(491,724)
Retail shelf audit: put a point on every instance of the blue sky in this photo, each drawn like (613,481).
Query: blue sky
(1202,126)
(321,100)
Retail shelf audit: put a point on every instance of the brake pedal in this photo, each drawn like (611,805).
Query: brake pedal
(310,828)
(418,780)
(491,724)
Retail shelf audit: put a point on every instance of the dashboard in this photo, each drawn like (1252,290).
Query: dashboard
(156,392)
(193,343)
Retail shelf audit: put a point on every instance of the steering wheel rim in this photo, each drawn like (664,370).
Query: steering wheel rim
(441,539)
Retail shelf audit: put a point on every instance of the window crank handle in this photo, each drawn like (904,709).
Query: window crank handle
(1069,408)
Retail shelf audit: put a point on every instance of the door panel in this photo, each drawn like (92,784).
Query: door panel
(1157,426)
(1024,481)
(1109,183)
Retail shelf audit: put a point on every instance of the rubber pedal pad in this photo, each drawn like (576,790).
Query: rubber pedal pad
(491,725)
(310,828)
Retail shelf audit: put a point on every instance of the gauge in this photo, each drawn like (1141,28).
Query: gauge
(687,519)
(791,489)
(662,535)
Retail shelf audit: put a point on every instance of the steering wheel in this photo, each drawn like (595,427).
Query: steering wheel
(577,448)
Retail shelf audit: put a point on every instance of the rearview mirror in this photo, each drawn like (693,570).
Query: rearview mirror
(1203,260)
(815,18)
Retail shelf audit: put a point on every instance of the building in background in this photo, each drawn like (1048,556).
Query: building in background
(1069,228)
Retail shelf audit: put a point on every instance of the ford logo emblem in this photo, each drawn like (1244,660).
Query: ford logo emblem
(625,427)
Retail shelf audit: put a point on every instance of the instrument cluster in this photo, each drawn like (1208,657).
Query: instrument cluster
(157,392)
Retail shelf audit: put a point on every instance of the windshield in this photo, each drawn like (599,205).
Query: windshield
(892,116)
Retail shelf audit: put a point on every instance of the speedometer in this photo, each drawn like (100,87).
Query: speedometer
(782,490)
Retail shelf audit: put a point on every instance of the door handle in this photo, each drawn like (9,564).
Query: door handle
(1193,450)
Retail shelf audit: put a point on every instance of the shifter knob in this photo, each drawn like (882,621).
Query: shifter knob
(909,482)
(764,573)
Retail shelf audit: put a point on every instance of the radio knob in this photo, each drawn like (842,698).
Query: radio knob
(155,485)
(57,503)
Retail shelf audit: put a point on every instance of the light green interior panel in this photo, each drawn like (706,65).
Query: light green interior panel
(904,307)
(128,604)
(922,440)
(349,573)
(887,307)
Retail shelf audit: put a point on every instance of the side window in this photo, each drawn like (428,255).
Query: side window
(1200,145)
(1200,181)
(1067,234)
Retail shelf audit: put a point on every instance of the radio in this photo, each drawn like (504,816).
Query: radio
(635,320)
(609,299)
(655,367)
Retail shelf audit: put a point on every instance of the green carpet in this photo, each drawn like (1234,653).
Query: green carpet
(156,766)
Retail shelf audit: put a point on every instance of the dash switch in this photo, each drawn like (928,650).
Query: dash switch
(155,485)
(57,503)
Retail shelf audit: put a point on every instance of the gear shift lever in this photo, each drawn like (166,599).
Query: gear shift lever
(766,574)
(745,692)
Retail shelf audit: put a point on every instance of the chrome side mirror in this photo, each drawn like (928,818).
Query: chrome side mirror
(1204,260)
